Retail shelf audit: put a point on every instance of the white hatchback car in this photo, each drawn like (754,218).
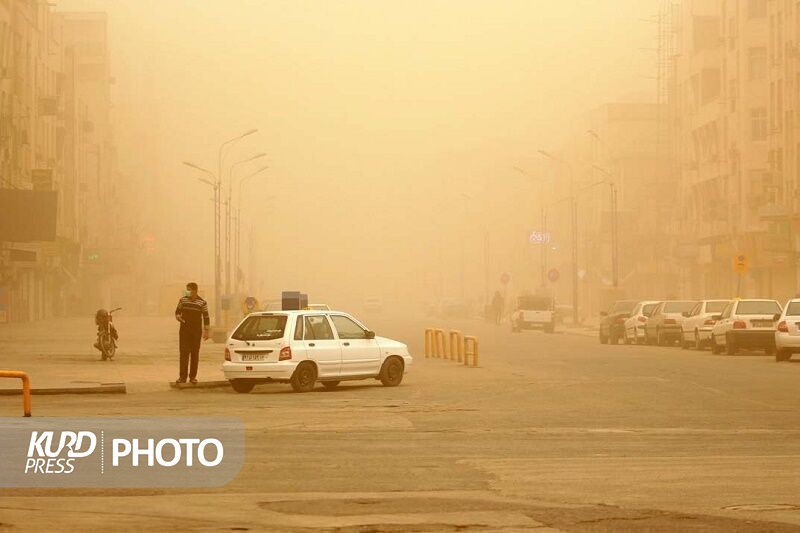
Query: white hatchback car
(787,335)
(635,324)
(745,324)
(698,322)
(303,347)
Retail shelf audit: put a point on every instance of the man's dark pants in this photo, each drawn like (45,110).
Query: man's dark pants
(189,346)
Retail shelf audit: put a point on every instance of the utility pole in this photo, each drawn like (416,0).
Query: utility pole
(614,223)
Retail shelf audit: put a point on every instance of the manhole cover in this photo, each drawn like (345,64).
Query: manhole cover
(763,507)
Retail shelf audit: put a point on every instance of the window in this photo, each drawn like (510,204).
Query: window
(678,307)
(317,328)
(648,309)
(758,124)
(347,329)
(622,307)
(757,62)
(727,312)
(758,307)
(715,307)
(695,310)
(261,328)
(535,303)
(298,329)
(757,8)
(793,309)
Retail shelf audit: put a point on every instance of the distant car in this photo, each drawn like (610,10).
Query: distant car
(746,324)
(304,347)
(534,312)
(787,334)
(664,325)
(697,323)
(612,323)
(635,323)
(318,307)
(373,304)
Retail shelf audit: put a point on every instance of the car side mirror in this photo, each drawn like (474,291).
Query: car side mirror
(603,313)
(369,334)
(776,317)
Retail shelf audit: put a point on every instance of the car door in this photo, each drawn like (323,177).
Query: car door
(630,322)
(654,321)
(321,345)
(690,321)
(360,354)
(723,324)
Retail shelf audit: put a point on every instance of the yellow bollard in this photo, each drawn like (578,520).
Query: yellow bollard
(440,344)
(456,345)
(26,388)
(469,339)
(429,340)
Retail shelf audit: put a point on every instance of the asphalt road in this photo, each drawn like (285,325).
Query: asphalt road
(550,431)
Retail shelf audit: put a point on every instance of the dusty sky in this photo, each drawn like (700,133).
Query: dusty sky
(370,111)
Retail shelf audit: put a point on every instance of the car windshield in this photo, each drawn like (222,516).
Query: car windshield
(793,309)
(261,328)
(623,307)
(758,307)
(716,307)
(535,303)
(678,307)
(647,309)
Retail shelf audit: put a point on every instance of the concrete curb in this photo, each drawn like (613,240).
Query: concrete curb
(103,388)
(200,385)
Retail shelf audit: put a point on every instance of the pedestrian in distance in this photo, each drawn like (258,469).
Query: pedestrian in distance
(497,307)
(192,313)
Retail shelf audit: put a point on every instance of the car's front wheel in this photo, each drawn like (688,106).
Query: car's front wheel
(304,378)
(782,354)
(242,386)
(392,372)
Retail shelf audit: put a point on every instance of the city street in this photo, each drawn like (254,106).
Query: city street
(550,431)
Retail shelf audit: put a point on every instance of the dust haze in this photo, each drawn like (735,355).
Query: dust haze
(391,133)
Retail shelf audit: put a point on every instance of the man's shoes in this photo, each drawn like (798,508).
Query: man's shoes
(193,381)
(180,381)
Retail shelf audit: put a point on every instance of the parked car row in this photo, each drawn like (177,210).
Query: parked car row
(719,325)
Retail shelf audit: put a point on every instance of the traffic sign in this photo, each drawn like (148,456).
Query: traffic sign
(553,274)
(505,278)
(539,237)
(740,264)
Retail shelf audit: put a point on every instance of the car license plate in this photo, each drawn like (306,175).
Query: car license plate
(762,323)
(252,357)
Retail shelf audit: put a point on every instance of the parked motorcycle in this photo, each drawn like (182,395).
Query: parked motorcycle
(106,333)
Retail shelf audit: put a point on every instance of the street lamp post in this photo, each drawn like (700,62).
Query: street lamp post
(228,221)
(218,230)
(239,218)
(574,224)
(614,225)
(215,184)
(543,214)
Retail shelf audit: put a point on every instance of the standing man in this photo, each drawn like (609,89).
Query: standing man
(192,313)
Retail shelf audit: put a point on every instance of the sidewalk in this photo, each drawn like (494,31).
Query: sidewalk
(146,360)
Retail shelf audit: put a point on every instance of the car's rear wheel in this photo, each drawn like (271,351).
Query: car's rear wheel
(782,355)
(330,384)
(304,377)
(730,346)
(684,342)
(242,386)
(660,339)
(715,348)
(697,344)
(392,372)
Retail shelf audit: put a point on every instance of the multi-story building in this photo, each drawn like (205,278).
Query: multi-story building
(721,129)
(778,194)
